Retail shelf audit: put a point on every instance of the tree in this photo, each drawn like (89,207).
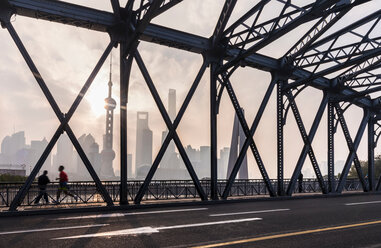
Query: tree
(364,167)
(11,178)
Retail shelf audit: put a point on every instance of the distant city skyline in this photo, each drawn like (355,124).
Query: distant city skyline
(14,150)
(15,153)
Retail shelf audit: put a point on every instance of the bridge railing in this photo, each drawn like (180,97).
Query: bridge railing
(87,192)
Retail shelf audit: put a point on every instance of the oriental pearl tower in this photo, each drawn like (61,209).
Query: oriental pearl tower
(108,154)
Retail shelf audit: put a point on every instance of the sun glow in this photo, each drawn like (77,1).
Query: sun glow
(96,98)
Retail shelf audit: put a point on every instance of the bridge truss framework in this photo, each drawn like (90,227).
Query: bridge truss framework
(309,63)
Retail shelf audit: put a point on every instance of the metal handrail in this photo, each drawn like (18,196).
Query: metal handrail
(87,192)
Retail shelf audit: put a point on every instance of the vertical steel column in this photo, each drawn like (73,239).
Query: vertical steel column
(371,146)
(280,153)
(125,70)
(213,132)
(331,147)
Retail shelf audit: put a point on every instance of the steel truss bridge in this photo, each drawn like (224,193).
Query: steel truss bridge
(345,72)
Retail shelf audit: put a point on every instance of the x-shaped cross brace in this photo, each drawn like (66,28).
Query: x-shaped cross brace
(172,134)
(63,118)
(249,138)
(307,139)
(352,146)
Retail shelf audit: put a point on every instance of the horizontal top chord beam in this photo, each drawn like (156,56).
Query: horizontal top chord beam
(98,20)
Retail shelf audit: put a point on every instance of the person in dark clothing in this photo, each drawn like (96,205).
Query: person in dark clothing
(300,182)
(43,181)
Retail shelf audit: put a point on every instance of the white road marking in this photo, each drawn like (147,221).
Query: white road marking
(150,230)
(208,223)
(251,212)
(51,229)
(361,203)
(132,231)
(113,215)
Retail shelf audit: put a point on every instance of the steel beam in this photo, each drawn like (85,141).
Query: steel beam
(223,20)
(116,8)
(66,13)
(371,146)
(280,148)
(135,32)
(254,10)
(331,147)
(213,132)
(125,70)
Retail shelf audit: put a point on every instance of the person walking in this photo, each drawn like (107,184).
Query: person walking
(63,187)
(43,181)
(300,182)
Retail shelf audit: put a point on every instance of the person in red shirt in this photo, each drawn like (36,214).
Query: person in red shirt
(63,179)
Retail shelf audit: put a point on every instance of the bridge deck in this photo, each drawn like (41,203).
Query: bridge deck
(351,221)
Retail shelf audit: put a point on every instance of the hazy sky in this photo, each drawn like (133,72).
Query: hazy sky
(65,56)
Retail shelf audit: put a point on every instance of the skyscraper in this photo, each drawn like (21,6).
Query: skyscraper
(37,147)
(204,166)
(11,145)
(108,154)
(64,155)
(238,139)
(143,142)
(91,148)
(223,162)
(130,174)
(172,104)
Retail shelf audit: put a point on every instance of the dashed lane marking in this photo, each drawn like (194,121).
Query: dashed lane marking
(52,229)
(250,212)
(114,215)
(361,203)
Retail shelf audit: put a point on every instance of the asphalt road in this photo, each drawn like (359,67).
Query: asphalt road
(353,221)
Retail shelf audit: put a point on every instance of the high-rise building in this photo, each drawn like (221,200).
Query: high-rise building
(238,139)
(129,166)
(108,154)
(91,149)
(193,154)
(64,155)
(37,147)
(143,157)
(204,166)
(223,162)
(6,153)
(10,147)
(172,104)
(15,152)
